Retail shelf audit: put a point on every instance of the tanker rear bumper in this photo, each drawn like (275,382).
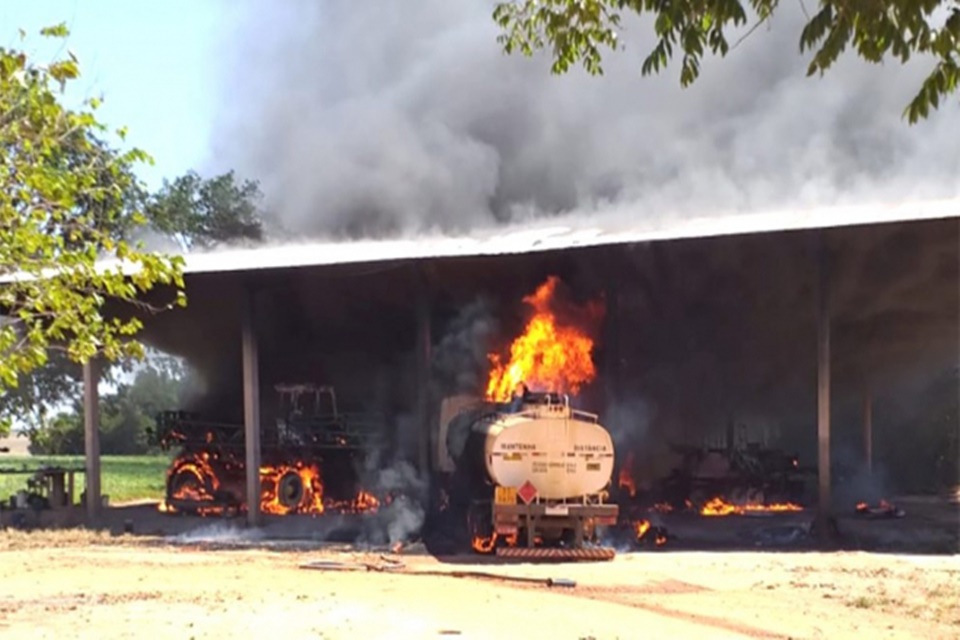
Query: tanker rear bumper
(537,518)
(556,554)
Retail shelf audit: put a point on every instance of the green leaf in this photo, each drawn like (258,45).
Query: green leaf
(56,31)
(574,30)
(67,200)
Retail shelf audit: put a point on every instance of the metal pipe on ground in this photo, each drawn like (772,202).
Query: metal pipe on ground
(396,566)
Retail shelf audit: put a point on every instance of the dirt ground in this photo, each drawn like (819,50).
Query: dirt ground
(85,585)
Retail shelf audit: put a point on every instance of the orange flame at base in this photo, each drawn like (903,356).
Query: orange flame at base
(641,527)
(272,502)
(625,480)
(718,507)
(486,544)
(201,483)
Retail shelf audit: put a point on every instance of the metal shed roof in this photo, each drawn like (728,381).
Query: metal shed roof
(560,234)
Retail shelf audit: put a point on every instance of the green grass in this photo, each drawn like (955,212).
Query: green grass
(123,478)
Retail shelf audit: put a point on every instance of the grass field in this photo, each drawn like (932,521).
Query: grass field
(123,478)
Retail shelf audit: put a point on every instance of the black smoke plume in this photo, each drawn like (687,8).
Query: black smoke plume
(382,118)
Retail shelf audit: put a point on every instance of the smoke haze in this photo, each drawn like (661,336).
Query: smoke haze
(459,359)
(382,118)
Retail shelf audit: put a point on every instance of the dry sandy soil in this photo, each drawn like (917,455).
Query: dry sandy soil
(86,585)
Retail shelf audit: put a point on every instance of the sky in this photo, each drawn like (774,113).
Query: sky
(153,63)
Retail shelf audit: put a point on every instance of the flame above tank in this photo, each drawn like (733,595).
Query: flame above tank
(548,355)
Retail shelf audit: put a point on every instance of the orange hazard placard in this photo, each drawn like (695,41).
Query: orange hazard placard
(505,495)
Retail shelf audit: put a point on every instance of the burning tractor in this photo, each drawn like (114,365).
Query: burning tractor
(309,458)
(747,475)
(528,477)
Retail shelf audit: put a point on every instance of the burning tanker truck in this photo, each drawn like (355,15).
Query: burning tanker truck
(528,474)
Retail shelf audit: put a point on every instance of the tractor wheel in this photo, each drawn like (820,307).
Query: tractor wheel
(290,490)
(188,484)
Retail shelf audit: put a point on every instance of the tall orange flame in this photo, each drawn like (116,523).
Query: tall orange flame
(546,357)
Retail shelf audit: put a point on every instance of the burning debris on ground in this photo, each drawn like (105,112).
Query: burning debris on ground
(718,507)
(650,534)
(882,509)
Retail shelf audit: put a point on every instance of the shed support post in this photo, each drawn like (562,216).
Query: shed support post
(91,438)
(251,407)
(423,346)
(824,507)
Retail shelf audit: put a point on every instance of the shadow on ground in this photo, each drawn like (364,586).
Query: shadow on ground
(930,526)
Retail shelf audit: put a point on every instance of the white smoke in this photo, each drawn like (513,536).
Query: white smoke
(219,533)
(402,518)
(380,118)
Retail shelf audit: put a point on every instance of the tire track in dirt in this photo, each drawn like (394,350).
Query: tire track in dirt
(634,596)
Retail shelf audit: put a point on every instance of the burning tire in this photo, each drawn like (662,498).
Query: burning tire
(189,487)
(480,528)
(286,489)
(290,489)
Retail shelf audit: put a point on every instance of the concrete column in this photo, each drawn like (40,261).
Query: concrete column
(251,407)
(823,390)
(91,438)
(423,346)
(868,430)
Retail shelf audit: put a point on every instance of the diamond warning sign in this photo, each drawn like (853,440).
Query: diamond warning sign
(527,492)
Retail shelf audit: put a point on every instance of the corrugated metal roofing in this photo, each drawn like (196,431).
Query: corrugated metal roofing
(554,235)
(550,236)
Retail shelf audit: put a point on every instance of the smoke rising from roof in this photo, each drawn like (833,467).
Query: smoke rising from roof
(381,118)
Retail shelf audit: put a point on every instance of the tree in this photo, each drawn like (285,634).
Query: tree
(577,30)
(192,211)
(125,415)
(68,202)
(202,213)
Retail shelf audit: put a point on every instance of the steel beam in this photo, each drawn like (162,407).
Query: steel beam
(824,510)
(91,438)
(868,430)
(251,406)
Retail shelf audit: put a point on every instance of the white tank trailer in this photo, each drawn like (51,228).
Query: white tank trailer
(535,471)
